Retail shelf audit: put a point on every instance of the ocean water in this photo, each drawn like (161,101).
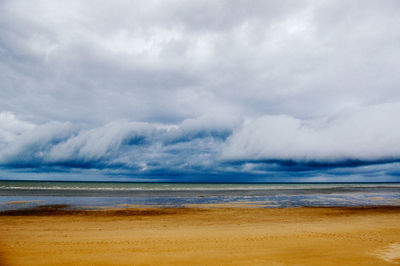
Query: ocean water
(27,194)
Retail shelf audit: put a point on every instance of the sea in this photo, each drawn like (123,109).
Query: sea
(15,195)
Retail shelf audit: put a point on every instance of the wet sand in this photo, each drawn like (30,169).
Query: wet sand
(214,235)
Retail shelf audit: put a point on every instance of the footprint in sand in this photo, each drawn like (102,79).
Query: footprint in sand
(389,254)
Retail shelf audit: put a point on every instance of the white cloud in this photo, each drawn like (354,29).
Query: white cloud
(368,134)
(31,146)
(98,143)
(167,62)
(11,127)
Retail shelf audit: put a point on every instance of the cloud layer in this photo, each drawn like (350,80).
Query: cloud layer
(276,147)
(136,147)
(211,88)
(367,135)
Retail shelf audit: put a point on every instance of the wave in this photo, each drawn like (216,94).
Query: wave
(194,187)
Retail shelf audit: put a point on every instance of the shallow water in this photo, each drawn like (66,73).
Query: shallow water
(21,194)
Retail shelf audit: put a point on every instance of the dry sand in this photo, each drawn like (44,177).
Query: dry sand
(199,236)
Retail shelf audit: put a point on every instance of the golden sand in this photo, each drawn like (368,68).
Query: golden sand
(202,236)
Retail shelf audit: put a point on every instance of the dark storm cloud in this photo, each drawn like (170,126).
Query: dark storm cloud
(191,146)
(193,88)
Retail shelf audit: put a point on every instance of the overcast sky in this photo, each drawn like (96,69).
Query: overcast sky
(200,90)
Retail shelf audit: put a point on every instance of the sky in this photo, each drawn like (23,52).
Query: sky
(200,91)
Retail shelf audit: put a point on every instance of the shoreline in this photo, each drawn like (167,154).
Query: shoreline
(201,235)
(137,209)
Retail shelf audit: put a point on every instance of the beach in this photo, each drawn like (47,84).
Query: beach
(201,235)
(202,133)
